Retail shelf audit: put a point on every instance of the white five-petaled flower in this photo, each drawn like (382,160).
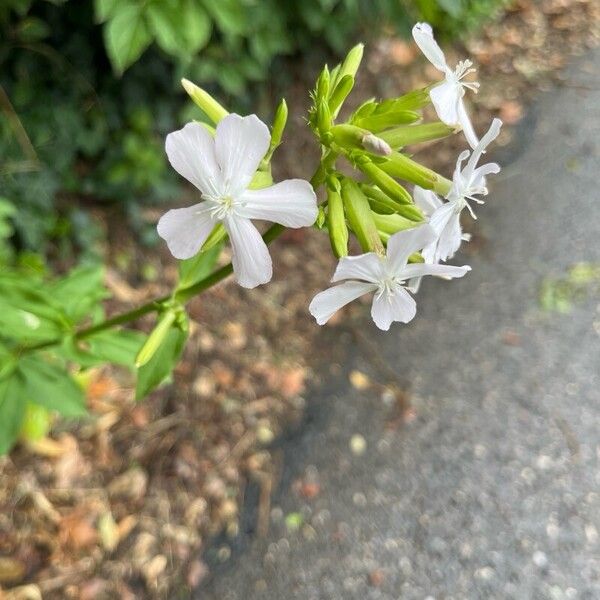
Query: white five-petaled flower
(386,276)
(467,183)
(447,97)
(222,169)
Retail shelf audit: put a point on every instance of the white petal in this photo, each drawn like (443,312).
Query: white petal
(240,145)
(402,244)
(480,173)
(467,126)
(446,98)
(252,264)
(325,304)
(191,152)
(426,200)
(492,133)
(445,271)
(366,267)
(186,229)
(439,219)
(387,308)
(413,285)
(450,238)
(423,36)
(291,203)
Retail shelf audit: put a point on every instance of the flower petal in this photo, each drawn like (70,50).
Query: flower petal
(478,180)
(445,271)
(450,238)
(325,304)
(446,98)
(426,200)
(402,244)
(467,126)
(365,267)
(252,264)
(191,152)
(423,36)
(291,203)
(398,306)
(492,133)
(240,145)
(186,229)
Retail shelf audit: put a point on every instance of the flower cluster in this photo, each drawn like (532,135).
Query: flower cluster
(403,236)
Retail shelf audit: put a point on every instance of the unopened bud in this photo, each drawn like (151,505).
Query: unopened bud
(211,108)
(392,223)
(336,220)
(352,61)
(156,338)
(414,100)
(279,123)
(381,121)
(403,135)
(340,93)
(322,87)
(380,202)
(386,183)
(376,145)
(399,165)
(323,117)
(360,217)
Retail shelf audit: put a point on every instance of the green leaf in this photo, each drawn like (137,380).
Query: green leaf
(151,374)
(12,411)
(117,346)
(105,9)
(198,267)
(80,291)
(126,36)
(52,387)
(196,25)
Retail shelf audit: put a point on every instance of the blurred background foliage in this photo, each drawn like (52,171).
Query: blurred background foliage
(88,90)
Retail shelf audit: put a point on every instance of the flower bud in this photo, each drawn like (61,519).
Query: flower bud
(279,123)
(364,110)
(386,183)
(323,117)
(340,93)
(211,108)
(352,62)
(376,145)
(403,135)
(336,219)
(379,121)
(392,223)
(399,165)
(360,217)
(382,203)
(323,83)
(414,100)
(156,338)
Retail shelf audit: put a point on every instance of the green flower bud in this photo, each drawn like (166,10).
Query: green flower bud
(364,110)
(340,93)
(356,138)
(392,223)
(404,135)
(414,100)
(279,123)
(352,62)
(156,338)
(399,165)
(336,219)
(323,83)
(386,183)
(379,121)
(360,217)
(323,117)
(380,202)
(211,108)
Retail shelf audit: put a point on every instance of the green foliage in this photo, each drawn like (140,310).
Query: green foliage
(41,312)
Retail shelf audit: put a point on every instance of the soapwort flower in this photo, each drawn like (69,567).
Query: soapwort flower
(387,276)
(222,169)
(467,184)
(447,97)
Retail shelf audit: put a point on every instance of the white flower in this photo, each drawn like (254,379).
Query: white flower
(386,276)
(447,97)
(467,183)
(222,169)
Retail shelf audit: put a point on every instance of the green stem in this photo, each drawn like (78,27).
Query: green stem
(183,296)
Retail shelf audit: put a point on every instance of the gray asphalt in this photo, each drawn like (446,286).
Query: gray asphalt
(493,489)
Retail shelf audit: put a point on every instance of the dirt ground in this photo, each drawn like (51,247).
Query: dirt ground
(123,504)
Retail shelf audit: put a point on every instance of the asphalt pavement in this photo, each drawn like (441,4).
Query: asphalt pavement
(489,485)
